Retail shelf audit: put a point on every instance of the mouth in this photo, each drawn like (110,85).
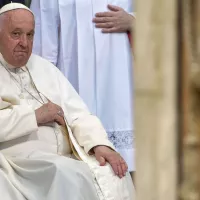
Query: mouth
(21,53)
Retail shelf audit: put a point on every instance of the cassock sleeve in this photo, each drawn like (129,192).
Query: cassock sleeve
(46,29)
(16,120)
(86,127)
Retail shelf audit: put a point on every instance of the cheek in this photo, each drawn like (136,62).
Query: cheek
(12,45)
(30,46)
(8,48)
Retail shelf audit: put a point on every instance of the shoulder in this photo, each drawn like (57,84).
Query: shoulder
(37,62)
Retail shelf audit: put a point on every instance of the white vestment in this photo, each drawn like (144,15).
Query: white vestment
(98,65)
(36,163)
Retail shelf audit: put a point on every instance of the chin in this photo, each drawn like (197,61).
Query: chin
(21,61)
(19,64)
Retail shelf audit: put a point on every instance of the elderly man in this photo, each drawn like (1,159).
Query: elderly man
(51,146)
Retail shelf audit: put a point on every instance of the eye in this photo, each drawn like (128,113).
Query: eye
(30,35)
(16,34)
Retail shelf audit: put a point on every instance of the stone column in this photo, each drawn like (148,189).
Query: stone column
(155,82)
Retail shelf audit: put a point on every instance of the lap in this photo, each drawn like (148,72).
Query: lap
(8,191)
(41,175)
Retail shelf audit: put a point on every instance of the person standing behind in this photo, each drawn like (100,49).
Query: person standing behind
(98,65)
(4,2)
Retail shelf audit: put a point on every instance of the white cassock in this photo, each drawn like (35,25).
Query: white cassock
(98,65)
(37,163)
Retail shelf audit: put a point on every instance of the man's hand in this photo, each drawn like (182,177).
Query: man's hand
(104,154)
(49,113)
(115,21)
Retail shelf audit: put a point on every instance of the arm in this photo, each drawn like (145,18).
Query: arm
(86,128)
(16,121)
(89,132)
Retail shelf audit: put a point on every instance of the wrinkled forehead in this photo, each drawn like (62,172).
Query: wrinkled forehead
(18,17)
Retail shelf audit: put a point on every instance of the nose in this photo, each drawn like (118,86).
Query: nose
(23,41)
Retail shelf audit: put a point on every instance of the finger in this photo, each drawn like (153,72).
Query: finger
(101,160)
(124,166)
(120,170)
(104,25)
(102,19)
(105,14)
(111,30)
(115,168)
(59,120)
(114,8)
(60,113)
(57,107)
(45,107)
(124,169)
(50,105)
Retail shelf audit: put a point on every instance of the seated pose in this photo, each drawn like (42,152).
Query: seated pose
(51,147)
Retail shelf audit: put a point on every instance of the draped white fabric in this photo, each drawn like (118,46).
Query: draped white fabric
(98,65)
(36,162)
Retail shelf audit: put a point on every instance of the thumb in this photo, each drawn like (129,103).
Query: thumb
(101,160)
(114,8)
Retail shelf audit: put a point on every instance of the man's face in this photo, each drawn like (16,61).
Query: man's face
(16,37)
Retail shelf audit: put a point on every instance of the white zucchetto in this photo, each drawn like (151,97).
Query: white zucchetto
(13,6)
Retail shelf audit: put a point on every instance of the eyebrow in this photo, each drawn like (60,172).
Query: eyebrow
(19,29)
